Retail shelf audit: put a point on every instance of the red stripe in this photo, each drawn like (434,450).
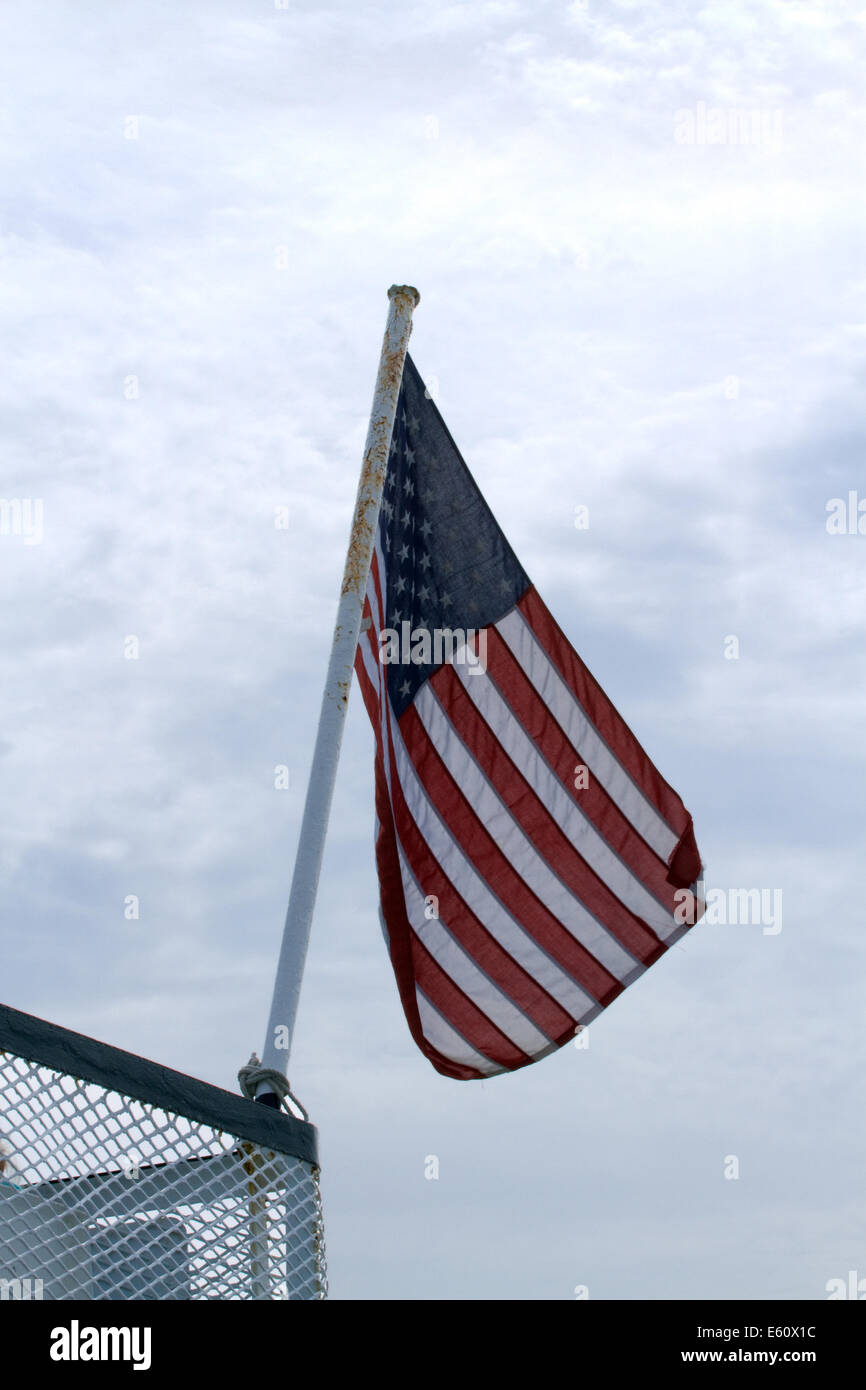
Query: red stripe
(517,983)
(562,757)
(507,974)
(377,587)
(412,962)
(462,1013)
(490,863)
(538,824)
(370,695)
(400,932)
(614,730)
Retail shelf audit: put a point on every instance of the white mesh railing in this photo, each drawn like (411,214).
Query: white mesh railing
(122,1180)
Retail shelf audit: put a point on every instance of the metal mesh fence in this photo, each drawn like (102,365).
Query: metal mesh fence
(134,1186)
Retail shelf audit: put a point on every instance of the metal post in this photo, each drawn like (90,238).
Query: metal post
(260,1282)
(311,843)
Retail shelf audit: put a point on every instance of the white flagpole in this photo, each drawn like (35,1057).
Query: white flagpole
(311,843)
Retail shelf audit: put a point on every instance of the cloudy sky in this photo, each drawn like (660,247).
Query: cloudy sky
(638,234)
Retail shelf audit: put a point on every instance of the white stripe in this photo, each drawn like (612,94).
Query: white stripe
(471,887)
(515,845)
(440,1034)
(375,668)
(459,966)
(371,665)
(459,870)
(378,614)
(384,929)
(572,718)
(574,824)
(371,661)
(476,894)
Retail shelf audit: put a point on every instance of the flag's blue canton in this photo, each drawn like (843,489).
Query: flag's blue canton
(448,564)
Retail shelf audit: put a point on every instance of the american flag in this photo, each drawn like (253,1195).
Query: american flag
(529,853)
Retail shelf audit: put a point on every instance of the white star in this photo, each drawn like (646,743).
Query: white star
(403,416)
(425,562)
(407,517)
(413,424)
(401,584)
(424,592)
(393,445)
(409,455)
(408,487)
(446,600)
(404,552)
(426,528)
(405,688)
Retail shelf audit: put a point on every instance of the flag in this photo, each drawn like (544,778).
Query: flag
(532,861)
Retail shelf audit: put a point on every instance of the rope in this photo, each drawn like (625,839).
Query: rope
(253,1074)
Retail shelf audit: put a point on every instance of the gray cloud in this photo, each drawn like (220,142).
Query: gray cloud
(668,333)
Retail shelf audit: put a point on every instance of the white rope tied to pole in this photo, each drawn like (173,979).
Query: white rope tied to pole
(323,772)
(253,1075)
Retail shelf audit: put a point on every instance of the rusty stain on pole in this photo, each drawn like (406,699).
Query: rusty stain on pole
(375,461)
(260,1280)
(311,842)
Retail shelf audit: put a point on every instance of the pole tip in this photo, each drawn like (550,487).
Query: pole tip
(408,290)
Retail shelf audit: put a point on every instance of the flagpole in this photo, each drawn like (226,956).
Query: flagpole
(311,842)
